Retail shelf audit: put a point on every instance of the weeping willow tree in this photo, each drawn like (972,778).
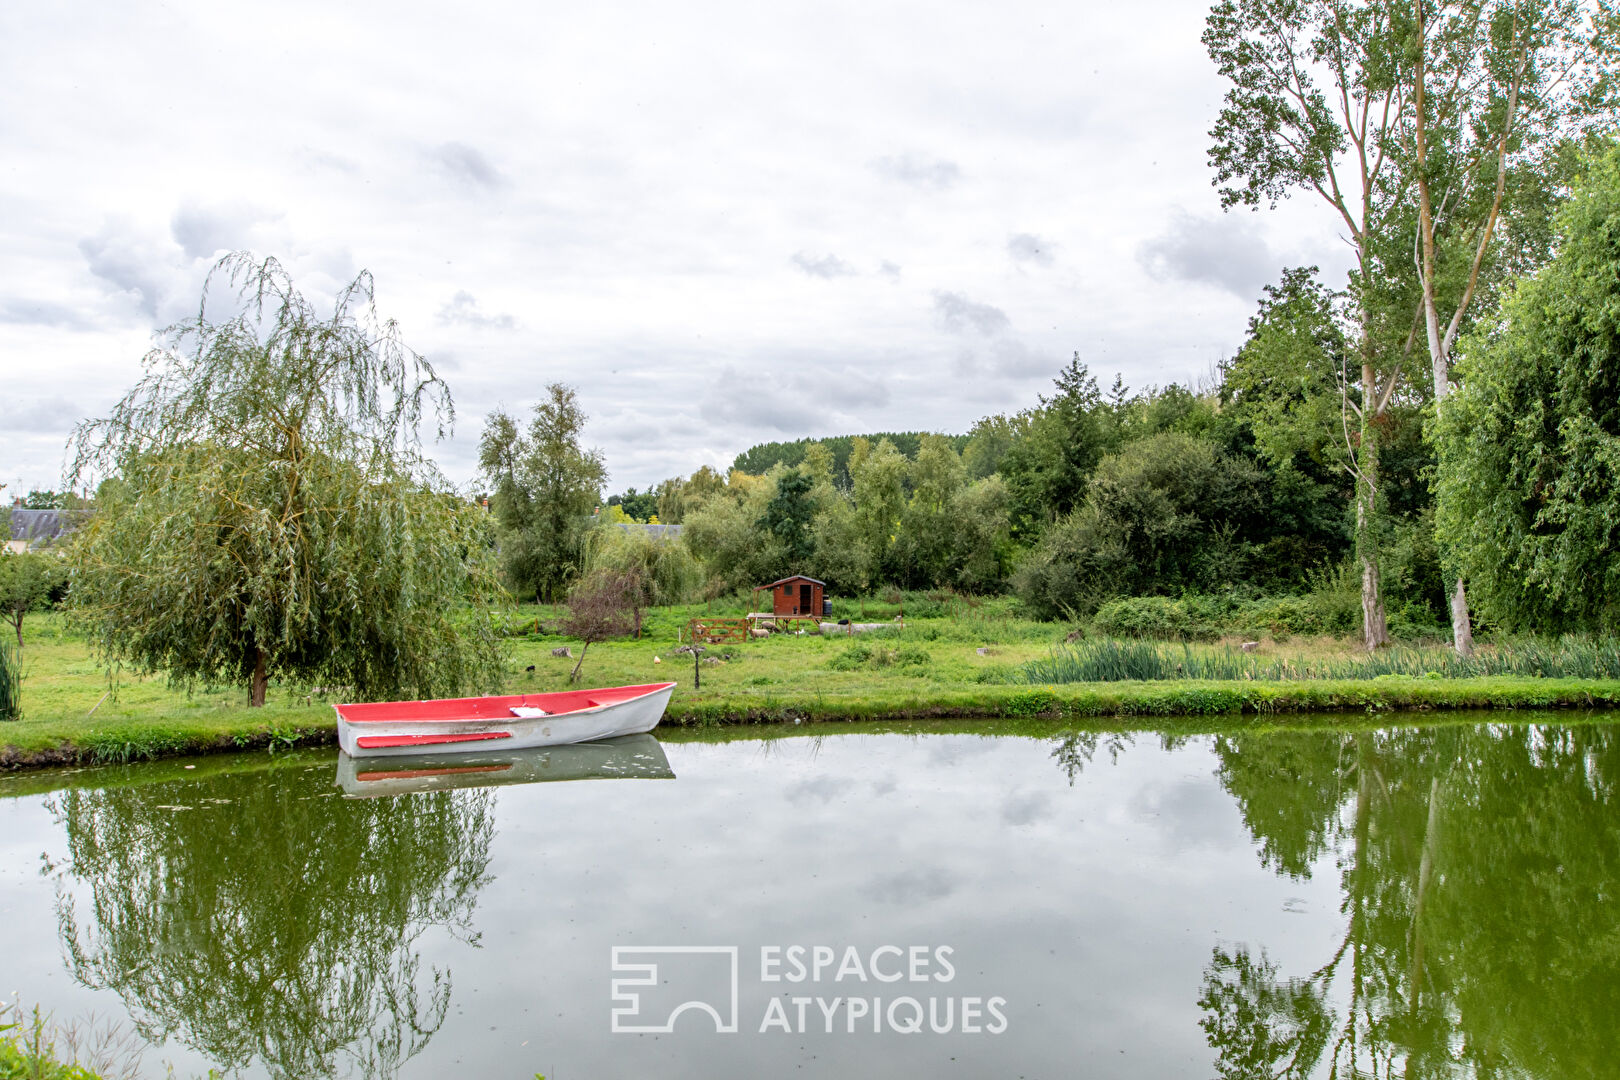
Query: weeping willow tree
(269,925)
(265,510)
(656,570)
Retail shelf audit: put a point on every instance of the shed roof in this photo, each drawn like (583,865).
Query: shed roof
(44,526)
(791,577)
(661,531)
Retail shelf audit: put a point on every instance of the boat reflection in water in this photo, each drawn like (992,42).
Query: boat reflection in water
(630,757)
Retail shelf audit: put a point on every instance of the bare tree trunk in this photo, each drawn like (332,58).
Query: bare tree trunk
(261,679)
(17,620)
(580,663)
(1462,629)
(1374,626)
(1462,632)
(1425,873)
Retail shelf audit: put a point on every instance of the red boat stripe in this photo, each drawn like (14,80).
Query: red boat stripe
(374,742)
(411,774)
(494,709)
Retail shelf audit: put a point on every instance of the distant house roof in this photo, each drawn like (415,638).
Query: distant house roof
(791,577)
(37,527)
(649,530)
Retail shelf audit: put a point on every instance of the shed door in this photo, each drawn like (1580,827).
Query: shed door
(804,598)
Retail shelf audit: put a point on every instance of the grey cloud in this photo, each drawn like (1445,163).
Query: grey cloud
(462,310)
(919,170)
(467,165)
(821,789)
(1001,353)
(128,263)
(777,402)
(826,267)
(48,415)
(1029,248)
(1012,356)
(19,311)
(1192,812)
(959,315)
(910,886)
(890,270)
(1026,808)
(1227,252)
(201,231)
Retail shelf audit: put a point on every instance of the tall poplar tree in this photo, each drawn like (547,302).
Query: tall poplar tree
(1497,88)
(1319,92)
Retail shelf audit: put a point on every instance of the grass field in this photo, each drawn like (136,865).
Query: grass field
(963,664)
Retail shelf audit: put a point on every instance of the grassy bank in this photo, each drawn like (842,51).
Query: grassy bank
(967,666)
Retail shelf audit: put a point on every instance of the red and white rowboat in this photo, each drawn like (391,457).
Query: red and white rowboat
(510,722)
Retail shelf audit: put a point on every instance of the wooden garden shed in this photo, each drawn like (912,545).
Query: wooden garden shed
(797,596)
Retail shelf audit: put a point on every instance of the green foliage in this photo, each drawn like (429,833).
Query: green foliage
(545,487)
(1331,607)
(52,500)
(638,506)
(29,581)
(723,535)
(10,681)
(1155,617)
(879,477)
(1059,444)
(1285,382)
(1168,512)
(267,512)
(29,1049)
(788,515)
(880,654)
(666,571)
(761,459)
(1528,481)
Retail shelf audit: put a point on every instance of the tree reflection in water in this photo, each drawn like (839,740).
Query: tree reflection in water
(1477,870)
(255,916)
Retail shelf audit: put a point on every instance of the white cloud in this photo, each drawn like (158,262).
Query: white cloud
(462,310)
(919,170)
(825,267)
(1029,248)
(959,315)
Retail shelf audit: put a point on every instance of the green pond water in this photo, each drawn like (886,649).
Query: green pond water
(1012,901)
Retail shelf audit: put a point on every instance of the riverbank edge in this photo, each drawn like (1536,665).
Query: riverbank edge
(74,743)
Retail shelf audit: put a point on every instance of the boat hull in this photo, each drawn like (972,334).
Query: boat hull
(630,757)
(465,725)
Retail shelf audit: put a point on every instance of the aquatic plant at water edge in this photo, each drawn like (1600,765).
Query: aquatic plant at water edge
(1108,660)
(10,682)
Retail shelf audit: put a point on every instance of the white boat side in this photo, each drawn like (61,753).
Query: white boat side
(633,716)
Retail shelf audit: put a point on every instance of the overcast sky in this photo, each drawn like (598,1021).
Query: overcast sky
(723,222)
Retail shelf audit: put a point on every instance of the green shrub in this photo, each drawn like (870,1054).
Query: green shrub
(851,658)
(10,682)
(911,656)
(865,654)
(1153,617)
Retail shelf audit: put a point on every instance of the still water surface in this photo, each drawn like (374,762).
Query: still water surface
(1433,902)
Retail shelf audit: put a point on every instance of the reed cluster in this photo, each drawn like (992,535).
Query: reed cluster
(1109,660)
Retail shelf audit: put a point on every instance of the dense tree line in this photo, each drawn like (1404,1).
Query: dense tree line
(1247,486)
